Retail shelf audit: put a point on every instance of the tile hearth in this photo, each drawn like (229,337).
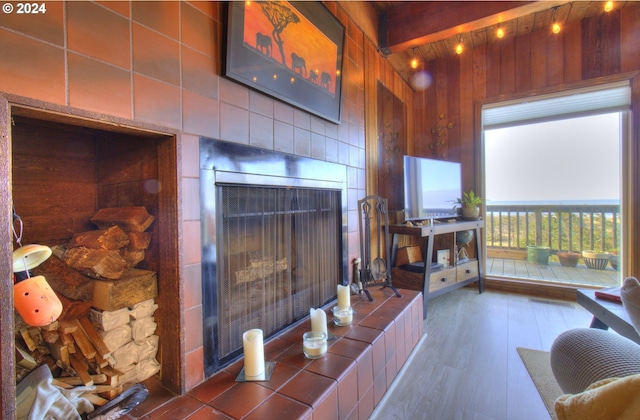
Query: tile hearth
(347,383)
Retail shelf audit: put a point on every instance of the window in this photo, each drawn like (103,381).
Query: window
(554,184)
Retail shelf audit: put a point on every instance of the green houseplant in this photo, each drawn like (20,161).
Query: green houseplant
(470,205)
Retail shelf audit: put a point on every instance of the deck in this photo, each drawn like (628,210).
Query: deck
(554,272)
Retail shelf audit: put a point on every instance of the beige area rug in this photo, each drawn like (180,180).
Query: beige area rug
(539,368)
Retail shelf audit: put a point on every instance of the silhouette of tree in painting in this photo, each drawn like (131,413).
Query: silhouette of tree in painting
(280,16)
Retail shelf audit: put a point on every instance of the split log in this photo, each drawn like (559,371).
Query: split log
(60,352)
(94,337)
(132,257)
(73,309)
(64,279)
(67,327)
(100,378)
(133,287)
(139,240)
(129,219)
(96,263)
(86,348)
(79,364)
(111,238)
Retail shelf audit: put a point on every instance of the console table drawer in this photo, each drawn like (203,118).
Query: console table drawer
(442,278)
(467,271)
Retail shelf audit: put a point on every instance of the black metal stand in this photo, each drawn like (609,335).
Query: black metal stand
(375,271)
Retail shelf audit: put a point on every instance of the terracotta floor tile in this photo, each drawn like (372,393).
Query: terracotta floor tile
(208,413)
(294,335)
(214,386)
(178,408)
(282,374)
(332,366)
(365,403)
(276,347)
(309,388)
(158,395)
(353,349)
(368,335)
(282,408)
(241,399)
(294,356)
(377,322)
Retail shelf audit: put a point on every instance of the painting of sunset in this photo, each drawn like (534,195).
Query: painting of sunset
(278,32)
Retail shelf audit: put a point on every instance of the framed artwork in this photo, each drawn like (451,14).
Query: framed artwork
(291,51)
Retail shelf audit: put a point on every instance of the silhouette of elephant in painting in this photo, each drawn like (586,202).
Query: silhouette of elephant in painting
(325,80)
(313,77)
(263,43)
(298,64)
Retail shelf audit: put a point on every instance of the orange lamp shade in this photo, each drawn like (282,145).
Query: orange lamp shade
(36,302)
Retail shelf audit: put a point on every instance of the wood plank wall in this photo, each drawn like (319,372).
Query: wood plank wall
(594,50)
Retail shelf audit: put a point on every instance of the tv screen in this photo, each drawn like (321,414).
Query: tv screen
(431,187)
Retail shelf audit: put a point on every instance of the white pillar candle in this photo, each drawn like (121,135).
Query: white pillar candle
(344,296)
(253,352)
(319,320)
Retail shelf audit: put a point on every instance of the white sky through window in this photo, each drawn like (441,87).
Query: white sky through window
(557,161)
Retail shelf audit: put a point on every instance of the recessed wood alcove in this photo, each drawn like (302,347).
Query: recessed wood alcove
(65,169)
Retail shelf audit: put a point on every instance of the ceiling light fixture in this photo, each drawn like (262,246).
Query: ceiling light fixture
(555,26)
(608,6)
(459,47)
(500,32)
(414,60)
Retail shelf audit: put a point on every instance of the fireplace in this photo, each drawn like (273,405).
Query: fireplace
(273,242)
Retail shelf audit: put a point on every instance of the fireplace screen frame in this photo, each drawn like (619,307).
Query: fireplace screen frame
(230,164)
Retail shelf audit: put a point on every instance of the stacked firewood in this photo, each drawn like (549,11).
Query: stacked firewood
(94,276)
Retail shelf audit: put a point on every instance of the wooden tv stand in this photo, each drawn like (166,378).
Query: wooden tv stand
(431,238)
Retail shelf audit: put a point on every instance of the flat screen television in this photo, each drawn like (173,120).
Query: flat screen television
(431,187)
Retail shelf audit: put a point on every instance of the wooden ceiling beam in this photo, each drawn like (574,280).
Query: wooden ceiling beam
(417,23)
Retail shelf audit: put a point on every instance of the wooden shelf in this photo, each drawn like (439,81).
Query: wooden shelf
(437,282)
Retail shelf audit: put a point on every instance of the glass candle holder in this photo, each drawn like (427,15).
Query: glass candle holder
(342,316)
(314,344)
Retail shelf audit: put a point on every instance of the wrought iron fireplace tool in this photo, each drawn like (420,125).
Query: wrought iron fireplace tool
(376,271)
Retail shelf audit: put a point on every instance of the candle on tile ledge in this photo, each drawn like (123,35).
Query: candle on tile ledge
(319,321)
(344,296)
(314,344)
(342,317)
(252,342)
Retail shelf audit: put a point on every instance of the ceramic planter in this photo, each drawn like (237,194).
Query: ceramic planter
(538,255)
(568,259)
(470,212)
(596,260)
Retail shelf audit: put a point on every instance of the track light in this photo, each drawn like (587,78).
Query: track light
(555,26)
(459,47)
(414,60)
(608,6)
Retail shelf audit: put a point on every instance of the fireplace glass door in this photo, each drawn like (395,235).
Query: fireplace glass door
(278,256)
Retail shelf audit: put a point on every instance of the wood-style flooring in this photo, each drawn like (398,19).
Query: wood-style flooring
(468,368)
(553,272)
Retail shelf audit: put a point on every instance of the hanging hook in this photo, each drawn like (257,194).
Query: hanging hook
(18,236)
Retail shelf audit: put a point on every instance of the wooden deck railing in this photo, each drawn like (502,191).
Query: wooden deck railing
(560,227)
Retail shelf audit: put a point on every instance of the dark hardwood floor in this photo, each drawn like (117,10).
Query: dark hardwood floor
(468,368)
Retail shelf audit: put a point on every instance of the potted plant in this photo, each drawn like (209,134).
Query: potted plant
(615,259)
(470,205)
(596,259)
(568,258)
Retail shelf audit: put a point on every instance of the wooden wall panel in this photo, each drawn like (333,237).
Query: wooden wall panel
(538,59)
(572,53)
(599,46)
(555,59)
(630,39)
(507,66)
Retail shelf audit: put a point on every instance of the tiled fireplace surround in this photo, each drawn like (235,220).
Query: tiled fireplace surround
(347,383)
